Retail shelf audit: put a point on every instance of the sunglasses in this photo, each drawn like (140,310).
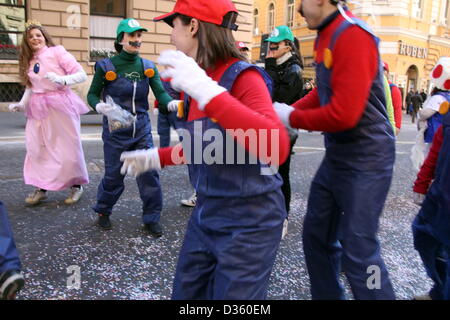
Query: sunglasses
(275,48)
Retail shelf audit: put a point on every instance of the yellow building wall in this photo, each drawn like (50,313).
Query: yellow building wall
(399,64)
(54,17)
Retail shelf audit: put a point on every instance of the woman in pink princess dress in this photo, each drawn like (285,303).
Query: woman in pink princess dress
(55,158)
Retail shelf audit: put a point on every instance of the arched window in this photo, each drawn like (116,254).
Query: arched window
(271,18)
(255,22)
(290,13)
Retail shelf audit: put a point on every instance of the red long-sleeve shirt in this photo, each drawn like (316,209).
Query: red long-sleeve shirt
(247,106)
(426,173)
(355,65)
(397,103)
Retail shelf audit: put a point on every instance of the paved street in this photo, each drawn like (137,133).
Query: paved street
(126,263)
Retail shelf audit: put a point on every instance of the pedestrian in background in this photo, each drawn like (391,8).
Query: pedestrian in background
(396,97)
(307,88)
(423,95)
(55,158)
(416,104)
(284,66)
(408,101)
(166,120)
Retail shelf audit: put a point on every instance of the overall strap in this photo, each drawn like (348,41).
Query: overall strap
(106,65)
(346,24)
(445,94)
(230,75)
(147,64)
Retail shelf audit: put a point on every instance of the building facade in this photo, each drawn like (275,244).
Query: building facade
(413,34)
(87,29)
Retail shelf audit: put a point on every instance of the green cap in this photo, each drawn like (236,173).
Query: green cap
(281,33)
(129,26)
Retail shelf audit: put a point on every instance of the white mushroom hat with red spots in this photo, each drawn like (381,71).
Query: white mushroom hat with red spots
(440,75)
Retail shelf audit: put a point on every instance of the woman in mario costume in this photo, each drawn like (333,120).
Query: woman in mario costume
(120,91)
(234,232)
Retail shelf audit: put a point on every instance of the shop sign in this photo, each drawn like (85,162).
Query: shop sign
(412,51)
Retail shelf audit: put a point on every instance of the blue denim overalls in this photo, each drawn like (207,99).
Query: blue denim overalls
(431,227)
(9,257)
(234,232)
(347,196)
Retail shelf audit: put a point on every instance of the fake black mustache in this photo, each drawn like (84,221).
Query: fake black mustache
(136,44)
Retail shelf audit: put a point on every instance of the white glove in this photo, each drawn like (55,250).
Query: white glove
(172,106)
(16,107)
(418,198)
(53,77)
(68,80)
(139,161)
(422,124)
(104,108)
(186,75)
(285,229)
(283,111)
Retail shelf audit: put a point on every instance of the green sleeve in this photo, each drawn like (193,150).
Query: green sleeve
(98,82)
(158,90)
(389,105)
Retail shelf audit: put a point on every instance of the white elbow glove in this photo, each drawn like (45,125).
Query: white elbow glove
(16,107)
(284,111)
(139,161)
(68,80)
(186,75)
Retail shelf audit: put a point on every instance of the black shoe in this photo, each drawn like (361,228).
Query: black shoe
(103,222)
(10,283)
(154,228)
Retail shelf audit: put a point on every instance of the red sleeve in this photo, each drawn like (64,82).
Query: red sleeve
(310,101)
(397,102)
(355,65)
(170,156)
(426,173)
(249,107)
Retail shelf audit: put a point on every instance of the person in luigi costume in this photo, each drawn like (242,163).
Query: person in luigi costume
(284,66)
(126,78)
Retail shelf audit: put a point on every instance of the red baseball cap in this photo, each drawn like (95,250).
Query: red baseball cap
(204,10)
(385,66)
(241,45)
